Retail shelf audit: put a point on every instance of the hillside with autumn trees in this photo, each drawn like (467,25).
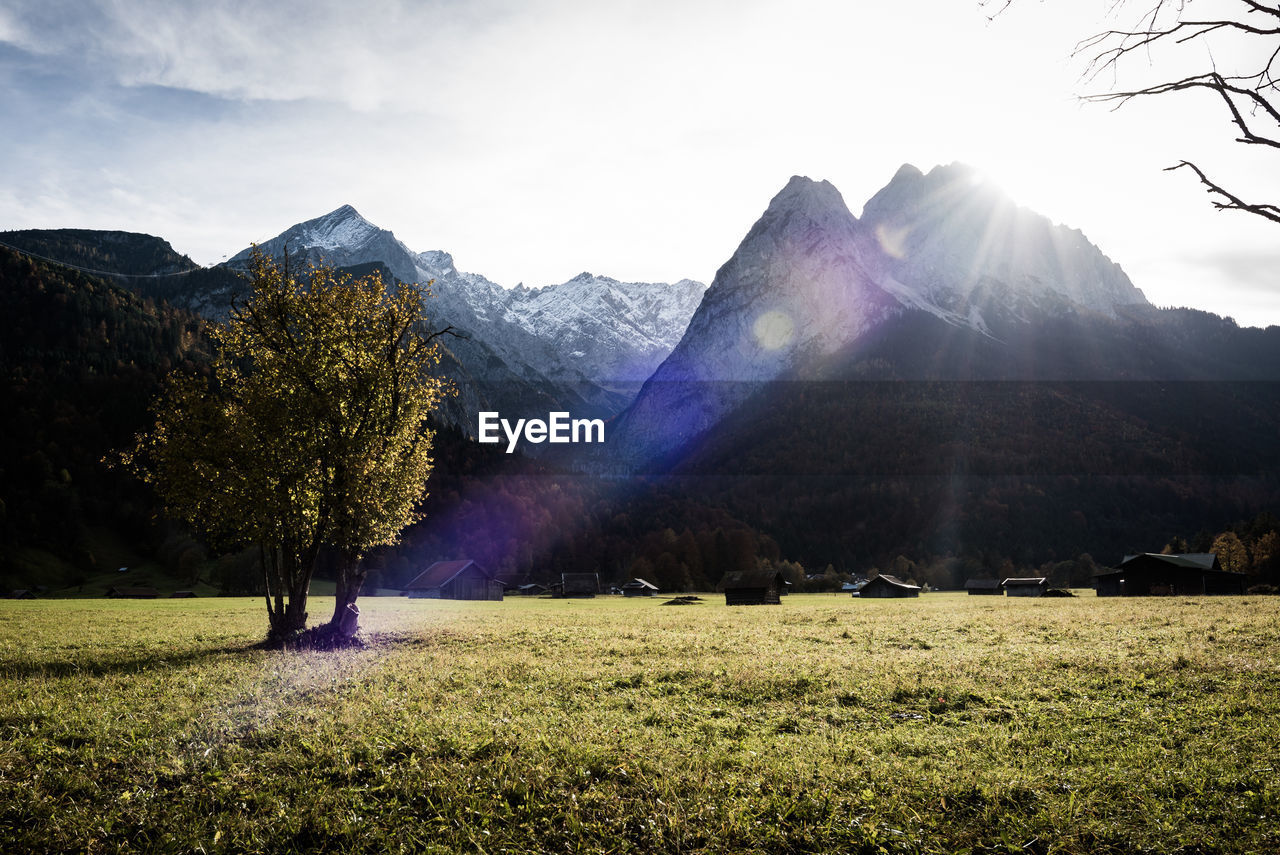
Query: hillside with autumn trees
(80,361)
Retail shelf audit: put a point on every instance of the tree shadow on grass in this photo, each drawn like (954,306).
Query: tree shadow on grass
(109,664)
(313,640)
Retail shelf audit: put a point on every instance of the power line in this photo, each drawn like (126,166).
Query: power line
(31,254)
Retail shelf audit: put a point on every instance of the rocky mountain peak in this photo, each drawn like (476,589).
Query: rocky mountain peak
(342,238)
(956,237)
(813,200)
(436,264)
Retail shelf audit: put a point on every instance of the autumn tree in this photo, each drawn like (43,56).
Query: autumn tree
(1229,49)
(312,433)
(1231,552)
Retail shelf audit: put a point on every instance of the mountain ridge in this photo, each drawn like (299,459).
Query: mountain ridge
(810,280)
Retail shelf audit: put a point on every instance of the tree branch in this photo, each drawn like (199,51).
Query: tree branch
(1233,203)
(1214,82)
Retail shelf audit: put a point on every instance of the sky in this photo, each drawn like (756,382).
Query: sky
(537,139)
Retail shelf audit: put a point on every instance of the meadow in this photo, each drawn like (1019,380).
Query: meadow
(826,724)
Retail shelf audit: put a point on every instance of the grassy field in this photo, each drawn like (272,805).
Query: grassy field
(943,724)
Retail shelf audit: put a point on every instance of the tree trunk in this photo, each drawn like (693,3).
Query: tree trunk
(289,618)
(292,621)
(346,616)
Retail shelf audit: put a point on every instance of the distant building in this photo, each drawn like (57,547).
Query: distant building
(886,586)
(455,580)
(21,594)
(1026,586)
(752,588)
(1152,575)
(639,588)
(140,593)
(182,595)
(531,590)
(579,584)
(983,587)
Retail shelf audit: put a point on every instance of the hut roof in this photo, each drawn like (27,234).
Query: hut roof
(982,585)
(1025,580)
(751,579)
(1192,560)
(640,583)
(1205,562)
(441,573)
(896,582)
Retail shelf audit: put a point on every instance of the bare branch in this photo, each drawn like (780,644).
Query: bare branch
(1213,82)
(1003,5)
(1233,202)
(1266,10)
(1133,40)
(450,331)
(1247,92)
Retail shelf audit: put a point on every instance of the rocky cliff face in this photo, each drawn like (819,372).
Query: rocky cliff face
(959,243)
(810,280)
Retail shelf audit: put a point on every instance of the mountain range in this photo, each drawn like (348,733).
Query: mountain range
(584,345)
(811,281)
(946,373)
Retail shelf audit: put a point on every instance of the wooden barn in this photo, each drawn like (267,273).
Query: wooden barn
(1025,586)
(182,595)
(752,588)
(884,586)
(533,589)
(1152,575)
(455,580)
(983,587)
(579,584)
(639,588)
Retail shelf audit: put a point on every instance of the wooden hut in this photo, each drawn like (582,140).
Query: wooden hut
(885,585)
(639,588)
(533,589)
(983,587)
(1152,575)
(21,594)
(182,595)
(455,580)
(1025,586)
(579,584)
(752,588)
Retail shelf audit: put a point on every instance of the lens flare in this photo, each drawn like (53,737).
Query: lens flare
(893,240)
(774,330)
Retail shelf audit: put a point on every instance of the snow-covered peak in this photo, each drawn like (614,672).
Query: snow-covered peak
(436,263)
(342,228)
(617,332)
(341,238)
